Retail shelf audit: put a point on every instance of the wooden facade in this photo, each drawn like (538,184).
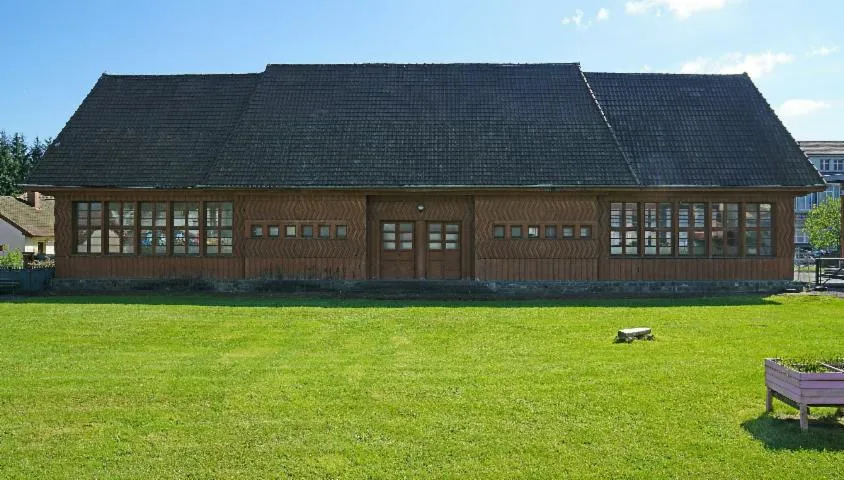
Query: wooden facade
(424,235)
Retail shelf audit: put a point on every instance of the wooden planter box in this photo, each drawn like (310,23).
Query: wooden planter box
(803,390)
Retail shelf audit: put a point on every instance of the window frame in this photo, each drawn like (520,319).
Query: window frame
(217,223)
(120,229)
(187,228)
(157,231)
(625,228)
(759,230)
(89,217)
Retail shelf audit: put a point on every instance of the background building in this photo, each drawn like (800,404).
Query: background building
(26,224)
(828,158)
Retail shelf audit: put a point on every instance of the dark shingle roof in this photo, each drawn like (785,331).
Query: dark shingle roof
(822,147)
(700,130)
(26,218)
(146,131)
(393,125)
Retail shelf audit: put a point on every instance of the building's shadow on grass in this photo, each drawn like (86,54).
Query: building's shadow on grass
(341,301)
(783,433)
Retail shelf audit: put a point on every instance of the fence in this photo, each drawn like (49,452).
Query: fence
(25,280)
(829,272)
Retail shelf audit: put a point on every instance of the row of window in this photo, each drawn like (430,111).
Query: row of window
(399,236)
(691,229)
(546,231)
(321,231)
(153,228)
(832,165)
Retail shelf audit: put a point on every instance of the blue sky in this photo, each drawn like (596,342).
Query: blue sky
(53,52)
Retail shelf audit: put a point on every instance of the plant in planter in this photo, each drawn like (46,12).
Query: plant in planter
(805,383)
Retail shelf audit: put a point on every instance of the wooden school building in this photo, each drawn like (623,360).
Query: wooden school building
(488,172)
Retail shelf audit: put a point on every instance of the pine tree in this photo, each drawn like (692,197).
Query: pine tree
(16,161)
(8,168)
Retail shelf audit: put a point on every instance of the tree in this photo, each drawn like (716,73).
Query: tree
(823,224)
(16,161)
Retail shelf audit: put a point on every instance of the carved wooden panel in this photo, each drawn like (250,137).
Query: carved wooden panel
(538,209)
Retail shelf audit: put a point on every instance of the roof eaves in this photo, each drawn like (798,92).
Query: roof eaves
(16,226)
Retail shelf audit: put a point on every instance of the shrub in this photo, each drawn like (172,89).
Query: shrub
(13,259)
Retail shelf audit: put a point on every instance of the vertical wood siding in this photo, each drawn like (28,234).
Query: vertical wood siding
(536,258)
(482,256)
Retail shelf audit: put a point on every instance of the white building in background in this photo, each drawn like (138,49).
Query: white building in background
(26,224)
(828,158)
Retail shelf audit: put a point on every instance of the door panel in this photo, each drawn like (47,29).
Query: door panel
(398,255)
(443,251)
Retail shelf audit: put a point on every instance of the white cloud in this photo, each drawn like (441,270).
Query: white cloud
(755,65)
(797,107)
(647,69)
(822,51)
(680,8)
(575,19)
(603,14)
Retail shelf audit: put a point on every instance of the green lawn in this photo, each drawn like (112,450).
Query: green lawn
(202,387)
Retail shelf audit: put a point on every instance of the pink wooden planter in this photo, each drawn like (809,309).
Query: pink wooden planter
(803,390)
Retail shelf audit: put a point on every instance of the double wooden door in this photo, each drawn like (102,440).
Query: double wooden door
(421,249)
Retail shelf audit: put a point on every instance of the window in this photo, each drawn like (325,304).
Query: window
(658,228)
(550,231)
(391,239)
(568,231)
(717,229)
(533,231)
(691,234)
(88,227)
(218,228)
(185,228)
(340,232)
(290,231)
(624,228)
(443,236)
(324,231)
(406,236)
(388,236)
(452,236)
(257,231)
(153,233)
(121,228)
(498,231)
(307,231)
(515,231)
(585,231)
(832,164)
(757,229)
(435,237)
(273,231)
(724,229)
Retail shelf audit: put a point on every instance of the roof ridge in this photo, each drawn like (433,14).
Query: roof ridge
(400,64)
(670,74)
(627,160)
(172,75)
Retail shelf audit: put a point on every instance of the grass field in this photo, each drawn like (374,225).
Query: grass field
(210,387)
